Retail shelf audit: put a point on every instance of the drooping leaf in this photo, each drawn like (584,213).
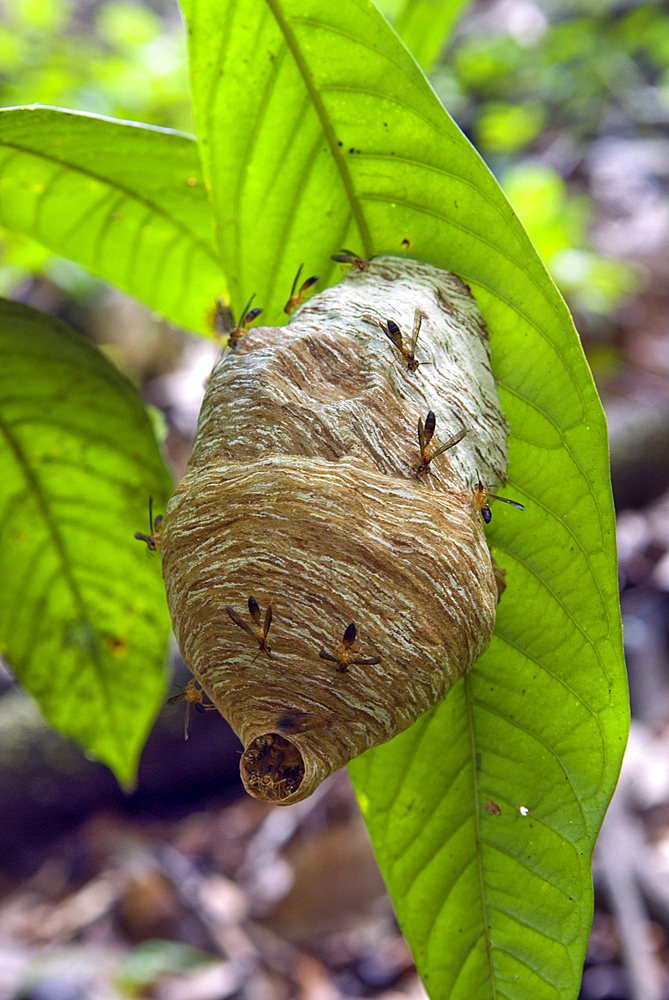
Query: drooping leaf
(485,813)
(83,620)
(125,200)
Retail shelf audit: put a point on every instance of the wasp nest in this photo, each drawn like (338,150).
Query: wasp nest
(327,573)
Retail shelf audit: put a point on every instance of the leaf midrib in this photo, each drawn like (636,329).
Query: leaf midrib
(331,139)
(36,490)
(477,820)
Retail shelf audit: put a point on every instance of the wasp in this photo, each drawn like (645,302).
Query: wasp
(273,766)
(293,721)
(271,776)
(348,257)
(481,501)
(192,695)
(296,300)
(224,322)
(263,627)
(425,432)
(394,335)
(343,659)
(154,537)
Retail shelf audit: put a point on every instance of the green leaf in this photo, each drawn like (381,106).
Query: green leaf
(127,201)
(83,620)
(425,25)
(330,136)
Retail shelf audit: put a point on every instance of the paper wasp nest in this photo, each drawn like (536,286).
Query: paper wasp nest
(300,493)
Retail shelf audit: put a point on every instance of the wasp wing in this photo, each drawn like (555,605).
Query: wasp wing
(421,438)
(418,318)
(238,620)
(245,310)
(267,622)
(452,441)
(296,279)
(324,655)
(224,319)
(513,503)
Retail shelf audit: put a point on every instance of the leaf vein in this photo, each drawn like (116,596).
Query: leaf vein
(134,196)
(252,137)
(521,560)
(290,215)
(524,863)
(103,229)
(551,750)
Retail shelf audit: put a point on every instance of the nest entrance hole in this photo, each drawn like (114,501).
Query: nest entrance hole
(271,767)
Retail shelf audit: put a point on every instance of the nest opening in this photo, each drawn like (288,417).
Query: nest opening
(271,767)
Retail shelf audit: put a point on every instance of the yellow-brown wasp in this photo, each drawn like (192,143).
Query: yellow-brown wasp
(348,257)
(263,627)
(425,433)
(224,322)
(154,538)
(293,721)
(272,764)
(344,658)
(394,335)
(296,300)
(481,504)
(192,695)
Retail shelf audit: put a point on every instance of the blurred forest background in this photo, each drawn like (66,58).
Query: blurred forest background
(186,889)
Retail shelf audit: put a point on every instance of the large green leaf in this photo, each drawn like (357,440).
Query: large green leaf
(83,620)
(125,200)
(319,131)
(424,26)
